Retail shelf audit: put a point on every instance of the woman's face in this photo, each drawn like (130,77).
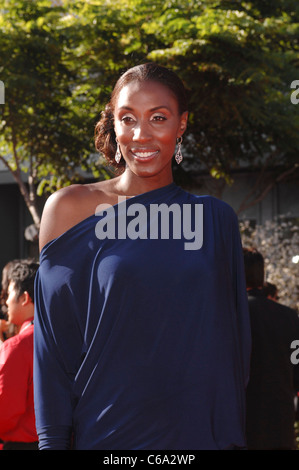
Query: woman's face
(147,124)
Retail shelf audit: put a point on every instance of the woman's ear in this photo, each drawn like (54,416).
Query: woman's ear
(184,121)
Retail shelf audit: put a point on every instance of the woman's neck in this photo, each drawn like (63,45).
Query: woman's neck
(130,184)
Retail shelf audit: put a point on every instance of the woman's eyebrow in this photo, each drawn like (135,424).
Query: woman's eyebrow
(162,106)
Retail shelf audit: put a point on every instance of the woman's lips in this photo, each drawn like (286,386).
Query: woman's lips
(144,155)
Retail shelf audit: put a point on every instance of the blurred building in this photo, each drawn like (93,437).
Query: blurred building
(14,218)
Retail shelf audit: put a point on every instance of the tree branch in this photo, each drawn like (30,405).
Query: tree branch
(266,190)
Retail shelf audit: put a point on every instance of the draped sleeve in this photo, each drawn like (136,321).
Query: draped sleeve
(234,260)
(61,297)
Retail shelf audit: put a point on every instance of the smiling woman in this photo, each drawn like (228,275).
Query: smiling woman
(147,125)
(138,76)
(144,343)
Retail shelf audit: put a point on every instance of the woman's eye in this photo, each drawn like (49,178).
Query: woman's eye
(127,119)
(158,117)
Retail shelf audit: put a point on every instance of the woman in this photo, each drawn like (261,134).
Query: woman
(142,330)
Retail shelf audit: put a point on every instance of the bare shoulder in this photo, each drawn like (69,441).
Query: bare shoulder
(69,206)
(59,213)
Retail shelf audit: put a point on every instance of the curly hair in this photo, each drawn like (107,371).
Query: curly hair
(23,277)
(6,278)
(105,138)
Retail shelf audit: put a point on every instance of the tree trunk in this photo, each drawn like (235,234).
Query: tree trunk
(28,196)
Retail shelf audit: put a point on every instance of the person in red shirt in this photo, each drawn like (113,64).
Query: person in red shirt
(17,418)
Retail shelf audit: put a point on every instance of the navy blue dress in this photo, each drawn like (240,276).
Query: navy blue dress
(142,338)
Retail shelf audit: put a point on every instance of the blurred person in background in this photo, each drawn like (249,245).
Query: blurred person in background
(7,329)
(3,329)
(273,379)
(270,290)
(17,418)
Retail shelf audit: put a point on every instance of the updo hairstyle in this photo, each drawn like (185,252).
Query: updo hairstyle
(105,139)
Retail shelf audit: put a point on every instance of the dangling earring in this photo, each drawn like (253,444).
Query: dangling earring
(178,156)
(117,154)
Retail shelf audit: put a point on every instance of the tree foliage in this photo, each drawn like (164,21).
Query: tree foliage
(60,59)
(39,128)
(238,60)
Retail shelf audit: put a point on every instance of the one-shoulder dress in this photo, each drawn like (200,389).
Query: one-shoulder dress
(142,332)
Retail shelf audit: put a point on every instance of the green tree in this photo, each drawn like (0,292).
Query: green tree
(36,125)
(238,60)
(60,59)
(46,122)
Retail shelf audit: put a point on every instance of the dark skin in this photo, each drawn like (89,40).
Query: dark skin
(147,124)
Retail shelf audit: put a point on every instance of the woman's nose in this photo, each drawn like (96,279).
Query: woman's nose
(142,132)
